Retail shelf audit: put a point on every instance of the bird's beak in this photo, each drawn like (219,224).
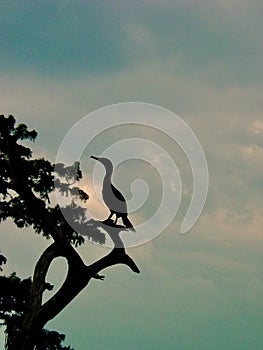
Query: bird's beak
(96,158)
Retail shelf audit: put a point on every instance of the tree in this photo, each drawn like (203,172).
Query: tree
(25,187)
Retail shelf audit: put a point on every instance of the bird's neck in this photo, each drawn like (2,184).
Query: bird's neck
(107,177)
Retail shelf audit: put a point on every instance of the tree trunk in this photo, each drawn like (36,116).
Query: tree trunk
(77,279)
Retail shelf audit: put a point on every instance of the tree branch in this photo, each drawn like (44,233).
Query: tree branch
(77,278)
(118,254)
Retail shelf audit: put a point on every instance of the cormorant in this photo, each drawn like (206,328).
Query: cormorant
(112,197)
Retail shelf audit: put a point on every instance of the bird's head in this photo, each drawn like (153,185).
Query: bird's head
(105,161)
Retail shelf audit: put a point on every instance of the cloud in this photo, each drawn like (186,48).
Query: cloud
(221,117)
(59,39)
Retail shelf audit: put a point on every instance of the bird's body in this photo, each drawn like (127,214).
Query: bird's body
(112,197)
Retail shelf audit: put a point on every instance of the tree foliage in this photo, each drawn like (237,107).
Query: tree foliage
(14,294)
(18,167)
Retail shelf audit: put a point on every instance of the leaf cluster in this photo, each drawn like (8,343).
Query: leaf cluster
(14,294)
(21,173)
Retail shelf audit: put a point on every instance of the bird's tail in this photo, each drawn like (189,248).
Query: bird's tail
(127,223)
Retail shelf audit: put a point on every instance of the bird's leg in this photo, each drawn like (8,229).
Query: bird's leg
(116,219)
(110,216)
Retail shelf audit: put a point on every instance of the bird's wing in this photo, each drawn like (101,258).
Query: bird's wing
(117,194)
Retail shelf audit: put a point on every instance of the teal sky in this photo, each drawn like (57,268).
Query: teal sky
(61,60)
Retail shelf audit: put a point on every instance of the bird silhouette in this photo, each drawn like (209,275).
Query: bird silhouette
(112,197)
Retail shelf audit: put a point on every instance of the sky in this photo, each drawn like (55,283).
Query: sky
(202,60)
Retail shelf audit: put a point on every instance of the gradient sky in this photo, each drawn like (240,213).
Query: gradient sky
(202,60)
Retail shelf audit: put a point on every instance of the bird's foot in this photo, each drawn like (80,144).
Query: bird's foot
(99,277)
(110,222)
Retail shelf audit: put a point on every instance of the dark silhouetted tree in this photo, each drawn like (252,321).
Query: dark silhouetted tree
(25,187)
